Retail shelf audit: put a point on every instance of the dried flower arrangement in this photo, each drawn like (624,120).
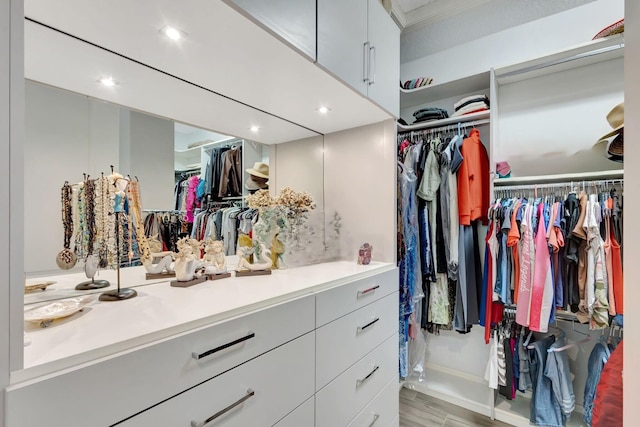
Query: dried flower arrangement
(260,199)
(296,202)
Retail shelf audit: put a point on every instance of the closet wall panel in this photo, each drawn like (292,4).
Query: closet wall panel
(299,165)
(632,204)
(359,182)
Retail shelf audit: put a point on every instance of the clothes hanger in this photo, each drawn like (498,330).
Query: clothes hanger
(586,339)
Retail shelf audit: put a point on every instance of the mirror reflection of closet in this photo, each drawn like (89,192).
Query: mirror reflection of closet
(70,136)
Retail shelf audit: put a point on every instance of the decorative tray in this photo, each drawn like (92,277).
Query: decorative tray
(45,314)
(32,286)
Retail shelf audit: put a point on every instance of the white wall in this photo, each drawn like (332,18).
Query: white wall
(66,135)
(632,204)
(531,40)
(151,159)
(69,134)
(549,124)
(360,183)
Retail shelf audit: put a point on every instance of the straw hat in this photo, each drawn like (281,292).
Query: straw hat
(613,148)
(615,119)
(259,169)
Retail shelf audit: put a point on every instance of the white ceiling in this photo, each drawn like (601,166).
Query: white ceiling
(223,52)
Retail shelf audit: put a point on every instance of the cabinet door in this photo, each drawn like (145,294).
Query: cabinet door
(342,40)
(384,59)
(292,20)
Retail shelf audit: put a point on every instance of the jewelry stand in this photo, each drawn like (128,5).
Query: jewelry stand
(120,293)
(92,284)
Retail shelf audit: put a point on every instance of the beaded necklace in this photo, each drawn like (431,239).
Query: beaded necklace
(90,214)
(66,259)
(136,208)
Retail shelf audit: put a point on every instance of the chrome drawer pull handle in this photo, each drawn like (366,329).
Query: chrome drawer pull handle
(362,328)
(359,382)
(375,418)
(199,356)
(250,393)
(368,290)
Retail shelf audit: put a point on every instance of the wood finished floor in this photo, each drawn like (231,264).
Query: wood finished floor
(419,410)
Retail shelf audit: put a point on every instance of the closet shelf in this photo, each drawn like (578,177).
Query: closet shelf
(588,53)
(479,118)
(425,94)
(542,179)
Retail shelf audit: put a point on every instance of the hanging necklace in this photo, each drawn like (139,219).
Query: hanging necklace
(90,213)
(66,259)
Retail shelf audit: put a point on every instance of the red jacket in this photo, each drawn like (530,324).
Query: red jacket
(473,180)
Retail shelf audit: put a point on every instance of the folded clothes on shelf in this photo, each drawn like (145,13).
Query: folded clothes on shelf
(416,83)
(429,113)
(470,104)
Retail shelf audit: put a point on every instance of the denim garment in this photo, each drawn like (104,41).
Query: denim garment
(597,359)
(428,268)
(525,382)
(558,371)
(545,410)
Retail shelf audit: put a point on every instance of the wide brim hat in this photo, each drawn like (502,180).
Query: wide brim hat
(616,121)
(612,148)
(252,185)
(259,169)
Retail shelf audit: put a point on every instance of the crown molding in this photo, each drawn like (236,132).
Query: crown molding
(432,12)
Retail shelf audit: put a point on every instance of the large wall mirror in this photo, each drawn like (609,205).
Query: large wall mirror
(150,127)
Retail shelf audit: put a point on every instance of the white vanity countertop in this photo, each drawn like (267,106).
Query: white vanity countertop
(160,311)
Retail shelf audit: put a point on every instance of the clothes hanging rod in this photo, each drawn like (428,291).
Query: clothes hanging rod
(560,178)
(473,119)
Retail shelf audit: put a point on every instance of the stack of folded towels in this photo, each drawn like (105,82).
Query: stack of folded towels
(471,104)
(416,83)
(430,113)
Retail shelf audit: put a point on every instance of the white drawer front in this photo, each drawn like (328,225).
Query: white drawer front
(342,342)
(280,380)
(132,382)
(340,401)
(396,422)
(383,410)
(303,416)
(338,301)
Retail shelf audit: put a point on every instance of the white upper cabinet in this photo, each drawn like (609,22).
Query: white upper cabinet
(359,43)
(384,58)
(294,21)
(343,47)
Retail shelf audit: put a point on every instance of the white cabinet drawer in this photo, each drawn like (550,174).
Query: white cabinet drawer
(383,410)
(341,343)
(302,416)
(340,401)
(258,393)
(131,382)
(338,301)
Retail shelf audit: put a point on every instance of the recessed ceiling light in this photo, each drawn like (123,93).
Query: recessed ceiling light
(323,110)
(254,129)
(108,81)
(172,32)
